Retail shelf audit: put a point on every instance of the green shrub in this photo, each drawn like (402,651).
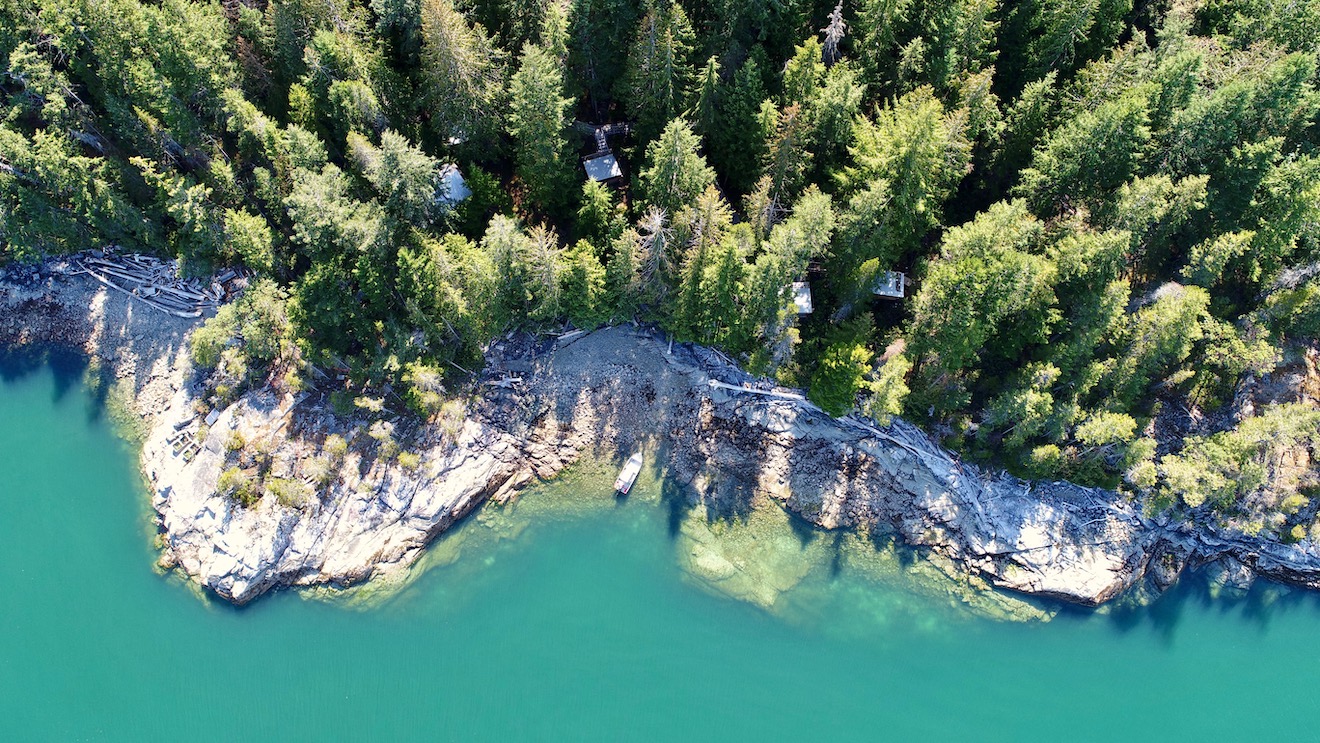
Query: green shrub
(1296,534)
(239,485)
(1229,466)
(263,454)
(319,469)
(888,390)
(1296,312)
(335,447)
(249,237)
(451,417)
(383,433)
(408,460)
(1144,475)
(289,493)
(209,340)
(1044,461)
(255,326)
(341,401)
(425,390)
(235,442)
(839,376)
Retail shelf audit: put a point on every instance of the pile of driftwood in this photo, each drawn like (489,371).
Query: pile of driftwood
(157,283)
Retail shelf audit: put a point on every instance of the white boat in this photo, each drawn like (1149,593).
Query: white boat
(628,475)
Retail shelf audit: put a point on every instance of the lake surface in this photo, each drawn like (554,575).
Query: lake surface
(552,621)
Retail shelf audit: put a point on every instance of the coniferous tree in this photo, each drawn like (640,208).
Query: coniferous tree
(1088,157)
(539,124)
(659,74)
(722,289)
(600,32)
(834,109)
(803,74)
(990,289)
(584,286)
(554,32)
(707,102)
(833,32)
(907,163)
(513,22)
(622,275)
(876,45)
(737,155)
(406,178)
(462,77)
(508,249)
(787,159)
(702,226)
(599,218)
(676,171)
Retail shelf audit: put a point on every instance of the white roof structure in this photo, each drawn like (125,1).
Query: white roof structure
(452,189)
(802,297)
(890,284)
(602,167)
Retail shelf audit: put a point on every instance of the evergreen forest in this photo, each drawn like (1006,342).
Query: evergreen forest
(1106,213)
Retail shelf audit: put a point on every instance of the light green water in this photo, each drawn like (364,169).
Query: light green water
(558,622)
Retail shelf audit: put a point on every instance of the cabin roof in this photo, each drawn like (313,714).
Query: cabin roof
(890,284)
(802,297)
(602,167)
(452,189)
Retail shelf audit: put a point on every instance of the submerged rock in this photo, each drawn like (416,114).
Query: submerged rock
(756,559)
(1229,578)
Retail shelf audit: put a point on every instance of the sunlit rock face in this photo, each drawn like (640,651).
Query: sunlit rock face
(728,453)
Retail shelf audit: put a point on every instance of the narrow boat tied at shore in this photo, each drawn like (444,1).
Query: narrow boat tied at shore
(628,475)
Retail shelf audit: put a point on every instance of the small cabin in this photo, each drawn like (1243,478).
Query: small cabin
(802,297)
(891,284)
(602,167)
(452,188)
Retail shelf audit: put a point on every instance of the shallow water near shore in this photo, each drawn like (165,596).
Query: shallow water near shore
(575,615)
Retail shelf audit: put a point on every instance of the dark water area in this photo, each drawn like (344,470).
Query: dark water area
(574,618)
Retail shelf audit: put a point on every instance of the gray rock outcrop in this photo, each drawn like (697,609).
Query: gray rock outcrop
(608,393)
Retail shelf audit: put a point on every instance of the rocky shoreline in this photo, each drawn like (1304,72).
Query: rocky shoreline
(602,394)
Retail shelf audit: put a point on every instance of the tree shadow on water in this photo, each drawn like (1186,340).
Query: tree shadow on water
(99,379)
(677,505)
(883,539)
(1257,606)
(1162,615)
(67,368)
(836,554)
(805,531)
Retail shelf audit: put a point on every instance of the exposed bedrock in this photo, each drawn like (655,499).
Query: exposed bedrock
(613,391)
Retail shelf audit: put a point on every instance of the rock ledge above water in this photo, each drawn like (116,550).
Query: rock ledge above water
(605,394)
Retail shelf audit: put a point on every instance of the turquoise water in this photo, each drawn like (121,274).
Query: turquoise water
(556,622)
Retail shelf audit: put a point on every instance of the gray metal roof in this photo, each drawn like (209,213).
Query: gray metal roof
(452,189)
(802,297)
(890,284)
(602,168)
